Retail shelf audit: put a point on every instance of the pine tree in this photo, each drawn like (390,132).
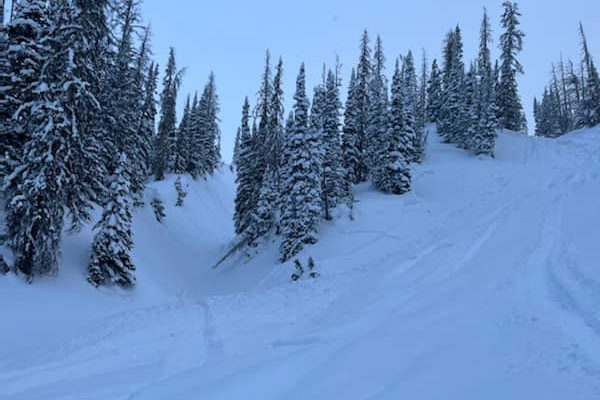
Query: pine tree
(410,94)
(61,167)
(276,129)
(146,129)
(208,109)
(262,217)
(127,100)
(183,144)
(159,209)
(483,138)
(377,123)
(422,115)
(110,260)
(24,52)
(333,173)
(181,192)
(472,105)
(302,208)
(360,104)
(247,184)
(5,83)
(434,94)
(167,132)
(453,112)
(196,159)
(511,44)
(350,138)
(401,129)
(388,171)
(236,149)
(590,104)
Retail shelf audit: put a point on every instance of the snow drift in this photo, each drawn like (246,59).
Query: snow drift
(482,283)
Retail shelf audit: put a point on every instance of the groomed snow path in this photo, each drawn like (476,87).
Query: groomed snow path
(483,283)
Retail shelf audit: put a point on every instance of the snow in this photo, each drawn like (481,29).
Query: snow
(482,283)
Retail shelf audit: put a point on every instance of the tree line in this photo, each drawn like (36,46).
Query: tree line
(571,100)
(78,105)
(293,172)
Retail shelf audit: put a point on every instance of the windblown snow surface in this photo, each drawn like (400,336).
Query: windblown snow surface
(483,283)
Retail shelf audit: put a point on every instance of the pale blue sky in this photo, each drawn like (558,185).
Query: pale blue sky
(230,38)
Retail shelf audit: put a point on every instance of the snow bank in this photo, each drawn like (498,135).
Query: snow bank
(482,283)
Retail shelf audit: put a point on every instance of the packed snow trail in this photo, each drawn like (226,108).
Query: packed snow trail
(480,284)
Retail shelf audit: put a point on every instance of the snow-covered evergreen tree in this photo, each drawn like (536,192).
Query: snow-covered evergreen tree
(147,129)
(303,207)
(209,135)
(511,44)
(422,115)
(589,108)
(110,260)
(247,183)
(434,93)
(183,140)
(401,128)
(262,217)
(352,155)
(357,163)
(236,149)
(333,172)
(410,98)
(453,112)
(181,192)
(377,123)
(24,52)
(483,139)
(275,130)
(167,132)
(389,172)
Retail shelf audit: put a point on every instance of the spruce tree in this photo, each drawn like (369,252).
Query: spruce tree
(333,173)
(360,104)
(57,170)
(236,149)
(453,111)
(110,260)
(410,95)
(196,156)
(183,144)
(511,44)
(434,94)
(482,140)
(303,207)
(210,135)
(352,155)
(275,130)
(590,104)
(377,123)
(146,128)
(167,132)
(127,100)
(262,217)
(247,184)
(422,115)
(401,129)
(24,51)
(388,171)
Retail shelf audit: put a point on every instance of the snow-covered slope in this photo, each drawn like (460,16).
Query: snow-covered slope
(483,283)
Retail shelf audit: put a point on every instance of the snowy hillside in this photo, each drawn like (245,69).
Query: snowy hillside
(482,283)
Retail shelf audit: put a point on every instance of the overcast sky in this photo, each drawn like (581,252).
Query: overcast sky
(230,37)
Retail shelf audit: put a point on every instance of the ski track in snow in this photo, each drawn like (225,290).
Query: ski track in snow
(481,283)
